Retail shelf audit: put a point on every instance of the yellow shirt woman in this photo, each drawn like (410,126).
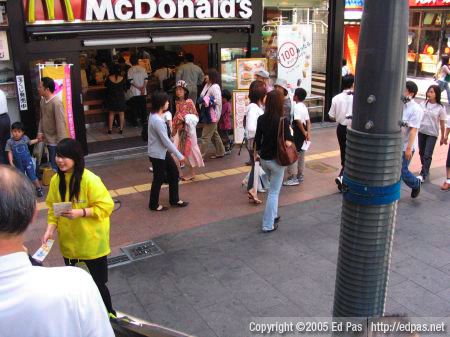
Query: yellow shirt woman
(83,238)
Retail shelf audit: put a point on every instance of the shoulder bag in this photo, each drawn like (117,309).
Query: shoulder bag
(286,155)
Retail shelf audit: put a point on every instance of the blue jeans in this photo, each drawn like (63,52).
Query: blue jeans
(52,155)
(275,173)
(444,86)
(23,162)
(408,178)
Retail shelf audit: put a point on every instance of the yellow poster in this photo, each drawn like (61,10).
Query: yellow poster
(63,89)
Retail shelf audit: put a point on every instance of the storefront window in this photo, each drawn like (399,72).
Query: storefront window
(303,24)
(228,57)
(414,19)
(432,20)
(412,51)
(428,52)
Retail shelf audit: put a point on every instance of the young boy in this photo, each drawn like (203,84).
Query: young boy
(225,121)
(302,132)
(412,117)
(19,154)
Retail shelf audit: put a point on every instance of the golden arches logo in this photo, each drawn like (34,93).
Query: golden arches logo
(50,6)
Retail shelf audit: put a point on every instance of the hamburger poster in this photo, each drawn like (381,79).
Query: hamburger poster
(246,70)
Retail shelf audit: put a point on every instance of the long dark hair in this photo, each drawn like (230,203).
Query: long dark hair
(115,70)
(70,148)
(274,106)
(437,92)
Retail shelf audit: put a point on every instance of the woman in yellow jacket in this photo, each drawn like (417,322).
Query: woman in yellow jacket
(83,230)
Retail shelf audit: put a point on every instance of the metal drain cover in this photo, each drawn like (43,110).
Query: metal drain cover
(321,167)
(119,260)
(143,250)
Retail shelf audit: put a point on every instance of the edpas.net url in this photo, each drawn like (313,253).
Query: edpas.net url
(406,327)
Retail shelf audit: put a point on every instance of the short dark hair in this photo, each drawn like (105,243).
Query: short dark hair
(347,81)
(159,98)
(226,94)
(17,201)
(412,88)
(18,126)
(301,94)
(445,60)
(134,59)
(344,62)
(48,83)
(121,60)
(257,91)
(213,75)
(189,57)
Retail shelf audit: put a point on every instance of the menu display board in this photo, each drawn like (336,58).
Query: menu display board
(240,103)
(246,70)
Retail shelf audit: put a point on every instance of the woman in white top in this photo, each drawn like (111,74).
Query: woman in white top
(444,77)
(434,118)
(257,95)
(211,91)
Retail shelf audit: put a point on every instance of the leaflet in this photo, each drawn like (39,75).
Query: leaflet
(61,207)
(42,252)
(306,145)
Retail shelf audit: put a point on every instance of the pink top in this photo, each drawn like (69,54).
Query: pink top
(225,118)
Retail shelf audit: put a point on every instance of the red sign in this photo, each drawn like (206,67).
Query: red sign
(66,11)
(428,3)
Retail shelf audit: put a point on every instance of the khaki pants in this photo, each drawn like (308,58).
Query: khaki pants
(209,133)
(296,169)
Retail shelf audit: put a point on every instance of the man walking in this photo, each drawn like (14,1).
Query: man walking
(37,301)
(5,127)
(341,111)
(52,125)
(412,116)
(138,78)
(192,74)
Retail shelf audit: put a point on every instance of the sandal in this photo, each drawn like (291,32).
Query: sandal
(180,203)
(187,179)
(160,208)
(253,199)
(216,157)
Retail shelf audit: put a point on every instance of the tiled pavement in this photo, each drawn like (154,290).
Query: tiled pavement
(218,270)
(213,279)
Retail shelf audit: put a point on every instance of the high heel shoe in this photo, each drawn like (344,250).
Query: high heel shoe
(121,131)
(253,199)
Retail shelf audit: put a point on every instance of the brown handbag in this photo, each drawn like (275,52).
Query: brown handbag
(286,155)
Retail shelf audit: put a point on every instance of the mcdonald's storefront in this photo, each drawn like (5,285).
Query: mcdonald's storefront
(64,33)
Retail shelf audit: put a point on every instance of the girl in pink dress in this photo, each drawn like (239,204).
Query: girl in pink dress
(184,129)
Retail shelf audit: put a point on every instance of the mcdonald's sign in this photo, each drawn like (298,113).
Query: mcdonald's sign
(69,11)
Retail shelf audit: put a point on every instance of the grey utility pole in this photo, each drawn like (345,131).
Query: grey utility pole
(373,162)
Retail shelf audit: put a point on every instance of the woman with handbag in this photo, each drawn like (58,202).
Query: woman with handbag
(211,99)
(274,142)
(257,94)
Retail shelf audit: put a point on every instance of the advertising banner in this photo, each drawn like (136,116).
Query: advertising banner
(63,89)
(76,11)
(294,55)
(246,70)
(240,103)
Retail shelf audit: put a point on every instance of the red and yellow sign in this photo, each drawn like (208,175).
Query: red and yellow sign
(69,11)
(429,3)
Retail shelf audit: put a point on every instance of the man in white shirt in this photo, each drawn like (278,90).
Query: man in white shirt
(37,301)
(412,116)
(5,127)
(341,111)
(138,78)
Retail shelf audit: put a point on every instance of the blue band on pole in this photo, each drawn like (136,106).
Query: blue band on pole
(370,195)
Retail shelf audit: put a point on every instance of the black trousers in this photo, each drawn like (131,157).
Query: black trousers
(138,105)
(341,133)
(98,268)
(5,133)
(426,149)
(163,168)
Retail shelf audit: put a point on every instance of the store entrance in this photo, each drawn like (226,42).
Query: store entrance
(96,68)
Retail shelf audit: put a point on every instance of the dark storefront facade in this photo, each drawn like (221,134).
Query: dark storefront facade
(44,37)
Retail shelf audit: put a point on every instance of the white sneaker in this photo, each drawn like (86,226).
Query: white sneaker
(291,182)
(338,182)
(420,178)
